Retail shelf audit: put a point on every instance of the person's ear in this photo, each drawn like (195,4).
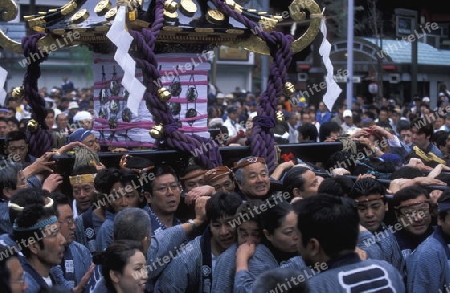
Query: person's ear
(314,247)
(7,192)
(34,247)
(267,235)
(114,276)
(147,195)
(296,192)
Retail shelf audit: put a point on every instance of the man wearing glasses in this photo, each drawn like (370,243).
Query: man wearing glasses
(163,198)
(428,267)
(412,211)
(76,266)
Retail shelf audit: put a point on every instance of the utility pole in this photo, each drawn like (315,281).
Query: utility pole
(406,26)
(350,37)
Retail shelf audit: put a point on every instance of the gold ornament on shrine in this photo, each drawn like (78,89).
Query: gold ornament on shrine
(157,131)
(170,6)
(164,94)
(32,125)
(18,93)
(102,7)
(111,13)
(188,8)
(80,16)
(280,116)
(214,16)
(289,89)
(92,20)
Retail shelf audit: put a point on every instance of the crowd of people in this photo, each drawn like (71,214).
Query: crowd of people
(331,226)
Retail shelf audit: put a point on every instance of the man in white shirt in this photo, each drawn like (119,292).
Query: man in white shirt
(348,121)
(293,119)
(231,122)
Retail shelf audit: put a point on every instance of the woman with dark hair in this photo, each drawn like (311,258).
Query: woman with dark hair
(279,248)
(123,267)
(12,275)
(278,225)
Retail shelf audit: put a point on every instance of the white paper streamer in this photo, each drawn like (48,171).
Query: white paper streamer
(120,37)
(333,89)
(3,76)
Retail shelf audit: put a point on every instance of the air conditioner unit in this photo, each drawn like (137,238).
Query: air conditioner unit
(302,76)
(394,78)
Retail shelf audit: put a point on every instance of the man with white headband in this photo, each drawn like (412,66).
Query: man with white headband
(89,215)
(36,231)
(428,267)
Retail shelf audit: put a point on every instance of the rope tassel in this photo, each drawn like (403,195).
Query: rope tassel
(40,141)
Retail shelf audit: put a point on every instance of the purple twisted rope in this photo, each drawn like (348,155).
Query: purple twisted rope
(204,149)
(262,140)
(40,141)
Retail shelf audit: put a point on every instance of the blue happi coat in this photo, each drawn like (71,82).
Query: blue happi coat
(164,244)
(105,233)
(348,273)
(82,260)
(382,245)
(261,261)
(80,230)
(184,273)
(428,267)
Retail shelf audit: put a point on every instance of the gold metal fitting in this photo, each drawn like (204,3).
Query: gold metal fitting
(188,8)
(80,16)
(215,16)
(164,94)
(37,21)
(32,125)
(268,23)
(111,13)
(102,7)
(170,16)
(289,89)
(280,117)
(18,93)
(170,6)
(157,131)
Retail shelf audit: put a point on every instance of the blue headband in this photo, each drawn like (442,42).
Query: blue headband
(36,226)
(443,207)
(79,135)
